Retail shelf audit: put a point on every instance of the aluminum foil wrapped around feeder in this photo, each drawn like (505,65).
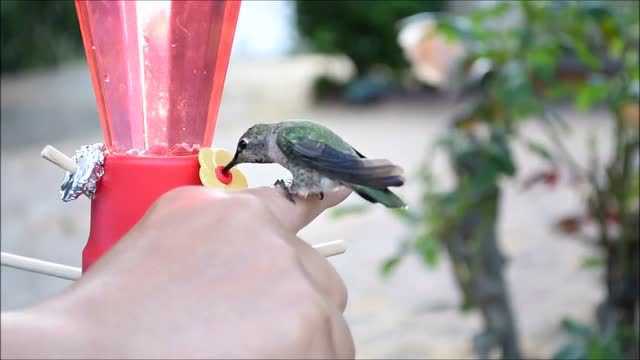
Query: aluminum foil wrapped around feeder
(89,161)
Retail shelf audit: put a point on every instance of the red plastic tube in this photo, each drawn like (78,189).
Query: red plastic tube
(128,188)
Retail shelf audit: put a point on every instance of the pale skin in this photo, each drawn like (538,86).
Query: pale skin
(204,274)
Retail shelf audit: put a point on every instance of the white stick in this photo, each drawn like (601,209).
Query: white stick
(331,248)
(327,249)
(40,266)
(58,158)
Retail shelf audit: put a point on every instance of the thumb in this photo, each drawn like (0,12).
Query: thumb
(295,216)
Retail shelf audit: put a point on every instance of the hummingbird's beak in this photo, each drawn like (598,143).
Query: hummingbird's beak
(231,163)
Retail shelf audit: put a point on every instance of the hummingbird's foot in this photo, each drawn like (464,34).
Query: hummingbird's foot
(286,189)
(283,183)
(315,195)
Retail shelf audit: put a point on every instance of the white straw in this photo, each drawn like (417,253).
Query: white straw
(331,248)
(58,158)
(40,266)
(73,273)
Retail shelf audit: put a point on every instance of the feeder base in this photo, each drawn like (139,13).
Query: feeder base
(128,188)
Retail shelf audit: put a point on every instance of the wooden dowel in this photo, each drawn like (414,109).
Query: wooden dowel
(40,266)
(58,158)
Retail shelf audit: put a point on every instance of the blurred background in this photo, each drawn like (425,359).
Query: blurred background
(516,122)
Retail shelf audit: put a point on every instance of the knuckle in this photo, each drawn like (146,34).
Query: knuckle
(185,200)
(170,196)
(241,207)
(247,207)
(251,203)
(311,319)
(342,294)
(166,201)
(179,194)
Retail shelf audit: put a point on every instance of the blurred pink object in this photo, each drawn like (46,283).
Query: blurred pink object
(158,69)
(432,56)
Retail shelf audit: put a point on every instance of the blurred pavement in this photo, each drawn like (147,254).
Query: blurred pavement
(411,314)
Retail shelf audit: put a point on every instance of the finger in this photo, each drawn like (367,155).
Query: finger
(295,216)
(322,274)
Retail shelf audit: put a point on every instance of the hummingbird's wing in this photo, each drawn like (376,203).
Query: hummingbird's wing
(320,149)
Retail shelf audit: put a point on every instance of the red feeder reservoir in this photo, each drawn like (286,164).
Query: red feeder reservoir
(158,69)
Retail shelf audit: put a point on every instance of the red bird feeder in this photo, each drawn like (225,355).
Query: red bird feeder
(158,69)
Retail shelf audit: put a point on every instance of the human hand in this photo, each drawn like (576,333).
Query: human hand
(203,274)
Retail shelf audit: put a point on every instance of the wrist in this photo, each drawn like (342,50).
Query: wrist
(50,329)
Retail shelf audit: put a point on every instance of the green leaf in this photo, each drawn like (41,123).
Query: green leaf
(589,343)
(347,210)
(584,53)
(406,216)
(514,89)
(539,150)
(390,264)
(591,262)
(500,154)
(575,350)
(634,193)
(392,261)
(604,348)
(543,61)
(497,11)
(429,249)
(589,95)
(576,329)
(560,90)
(616,45)
(449,30)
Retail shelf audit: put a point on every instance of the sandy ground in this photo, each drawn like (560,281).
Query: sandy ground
(413,313)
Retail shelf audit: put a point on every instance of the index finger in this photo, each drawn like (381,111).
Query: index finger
(295,216)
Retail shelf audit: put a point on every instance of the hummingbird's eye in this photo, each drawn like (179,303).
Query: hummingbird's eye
(242,144)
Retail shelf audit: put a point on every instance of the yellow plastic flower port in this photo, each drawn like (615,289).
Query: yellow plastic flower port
(212,162)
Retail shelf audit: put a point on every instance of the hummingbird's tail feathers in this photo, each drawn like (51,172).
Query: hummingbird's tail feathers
(365,172)
(345,166)
(377,173)
(383,196)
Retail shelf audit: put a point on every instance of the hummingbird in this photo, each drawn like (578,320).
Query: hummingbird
(319,161)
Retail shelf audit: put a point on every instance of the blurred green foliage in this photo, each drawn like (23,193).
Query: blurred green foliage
(583,52)
(38,33)
(591,60)
(366,31)
(577,51)
(589,344)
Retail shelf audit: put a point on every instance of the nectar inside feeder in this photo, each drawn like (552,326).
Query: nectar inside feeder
(158,70)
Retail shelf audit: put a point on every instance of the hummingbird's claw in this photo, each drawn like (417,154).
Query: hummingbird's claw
(287,191)
(289,196)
